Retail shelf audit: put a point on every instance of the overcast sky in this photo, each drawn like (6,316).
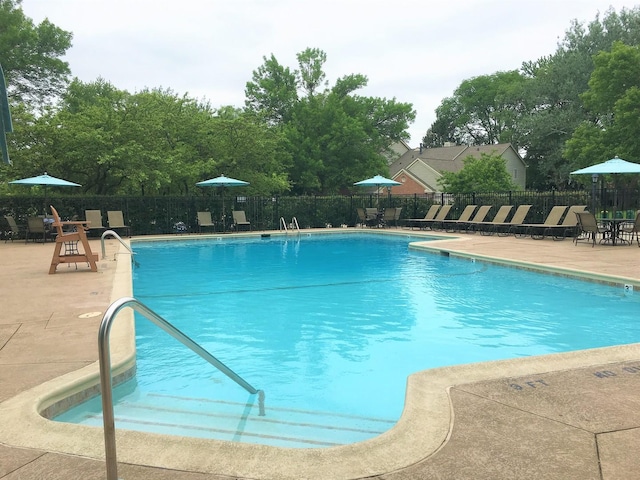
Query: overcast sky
(416,51)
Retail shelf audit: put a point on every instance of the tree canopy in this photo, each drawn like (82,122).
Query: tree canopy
(485,174)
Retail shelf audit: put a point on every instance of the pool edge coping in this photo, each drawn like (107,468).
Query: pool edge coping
(394,449)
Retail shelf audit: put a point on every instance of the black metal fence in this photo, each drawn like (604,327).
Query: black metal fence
(153,215)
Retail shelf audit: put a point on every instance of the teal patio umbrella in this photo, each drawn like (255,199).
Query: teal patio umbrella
(45,181)
(222,182)
(378,181)
(615,166)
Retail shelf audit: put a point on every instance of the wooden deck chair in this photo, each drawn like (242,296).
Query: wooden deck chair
(94,222)
(430,215)
(536,230)
(486,228)
(205,221)
(465,216)
(71,240)
(518,218)
(240,221)
(436,222)
(116,222)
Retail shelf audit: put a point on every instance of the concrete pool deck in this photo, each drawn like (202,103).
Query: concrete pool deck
(569,416)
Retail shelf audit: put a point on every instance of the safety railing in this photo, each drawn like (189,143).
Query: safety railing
(293,225)
(104,357)
(117,237)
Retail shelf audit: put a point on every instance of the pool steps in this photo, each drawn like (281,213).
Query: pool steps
(240,422)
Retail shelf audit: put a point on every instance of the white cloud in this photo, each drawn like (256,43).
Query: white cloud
(415,51)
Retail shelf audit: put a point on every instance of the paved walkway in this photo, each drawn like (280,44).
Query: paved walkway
(567,416)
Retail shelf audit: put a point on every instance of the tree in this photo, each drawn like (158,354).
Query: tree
(334,136)
(482,111)
(485,174)
(31,56)
(612,101)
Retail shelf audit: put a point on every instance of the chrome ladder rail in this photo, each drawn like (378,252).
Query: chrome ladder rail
(283,225)
(117,237)
(293,225)
(104,357)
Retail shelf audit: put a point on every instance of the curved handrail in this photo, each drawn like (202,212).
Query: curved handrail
(104,357)
(117,237)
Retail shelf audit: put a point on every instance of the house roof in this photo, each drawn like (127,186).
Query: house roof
(427,164)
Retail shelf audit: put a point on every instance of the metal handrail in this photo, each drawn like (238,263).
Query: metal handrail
(294,222)
(117,237)
(283,224)
(104,356)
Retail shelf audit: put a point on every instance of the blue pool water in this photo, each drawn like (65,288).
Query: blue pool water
(334,325)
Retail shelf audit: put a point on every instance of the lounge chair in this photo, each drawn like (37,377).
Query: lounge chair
(436,222)
(94,222)
(508,228)
(537,230)
(205,221)
(396,218)
(36,229)
(568,226)
(465,216)
(588,228)
(478,218)
(388,216)
(116,222)
(430,215)
(240,220)
(632,229)
(11,230)
(486,228)
(70,240)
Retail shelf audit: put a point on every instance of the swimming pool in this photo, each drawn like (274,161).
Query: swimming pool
(330,327)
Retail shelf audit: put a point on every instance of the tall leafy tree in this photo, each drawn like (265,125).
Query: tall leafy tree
(613,104)
(31,56)
(334,136)
(482,111)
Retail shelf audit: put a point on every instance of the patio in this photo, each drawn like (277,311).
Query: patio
(560,416)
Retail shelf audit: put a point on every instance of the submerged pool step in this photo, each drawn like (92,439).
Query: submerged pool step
(241,422)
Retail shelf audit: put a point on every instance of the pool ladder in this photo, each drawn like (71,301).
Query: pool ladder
(104,357)
(293,225)
(119,238)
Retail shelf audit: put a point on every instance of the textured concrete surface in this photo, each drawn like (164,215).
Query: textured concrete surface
(571,416)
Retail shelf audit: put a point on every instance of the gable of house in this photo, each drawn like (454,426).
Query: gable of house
(426,165)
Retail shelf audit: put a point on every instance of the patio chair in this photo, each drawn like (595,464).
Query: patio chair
(115,218)
(36,229)
(71,240)
(632,229)
(536,230)
(11,229)
(568,226)
(362,217)
(589,229)
(465,216)
(436,222)
(396,218)
(479,217)
(388,216)
(430,215)
(205,221)
(507,228)
(486,228)
(240,221)
(94,222)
